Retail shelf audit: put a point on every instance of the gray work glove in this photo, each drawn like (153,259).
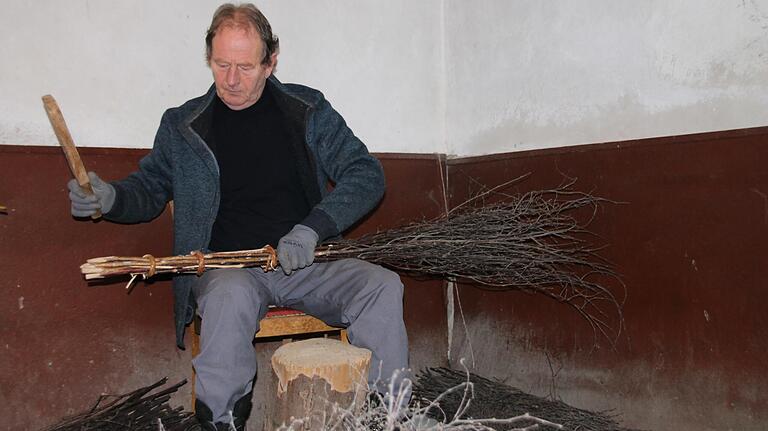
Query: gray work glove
(297,248)
(84,205)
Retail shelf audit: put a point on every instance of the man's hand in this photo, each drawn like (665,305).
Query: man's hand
(297,248)
(84,205)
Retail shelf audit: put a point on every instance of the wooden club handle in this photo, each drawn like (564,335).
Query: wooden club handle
(68,146)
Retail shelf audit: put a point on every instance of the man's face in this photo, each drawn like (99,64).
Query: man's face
(240,77)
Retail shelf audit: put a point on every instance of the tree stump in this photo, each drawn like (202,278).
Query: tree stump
(314,375)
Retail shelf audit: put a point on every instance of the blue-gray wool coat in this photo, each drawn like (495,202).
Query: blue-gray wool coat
(182,168)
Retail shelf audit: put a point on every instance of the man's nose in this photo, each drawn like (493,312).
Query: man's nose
(233,77)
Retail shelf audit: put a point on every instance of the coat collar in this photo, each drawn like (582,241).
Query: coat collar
(196,125)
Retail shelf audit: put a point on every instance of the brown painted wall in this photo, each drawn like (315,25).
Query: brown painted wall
(691,243)
(63,343)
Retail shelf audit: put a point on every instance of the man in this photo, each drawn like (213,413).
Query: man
(247,164)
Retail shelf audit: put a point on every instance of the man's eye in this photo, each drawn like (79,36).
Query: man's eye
(245,67)
(222,65)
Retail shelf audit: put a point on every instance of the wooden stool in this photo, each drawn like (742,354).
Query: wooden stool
(283,322)
(313,375)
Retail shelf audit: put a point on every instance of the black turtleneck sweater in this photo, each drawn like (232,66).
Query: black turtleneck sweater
(261,194)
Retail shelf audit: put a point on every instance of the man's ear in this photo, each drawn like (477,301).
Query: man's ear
(273,63)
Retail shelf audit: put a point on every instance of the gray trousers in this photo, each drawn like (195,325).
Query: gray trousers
(365,298)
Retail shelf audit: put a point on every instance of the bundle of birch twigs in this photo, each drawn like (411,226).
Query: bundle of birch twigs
(454,393)
(533,241)
(140,410)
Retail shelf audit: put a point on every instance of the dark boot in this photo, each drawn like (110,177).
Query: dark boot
(242,411)
(240,414)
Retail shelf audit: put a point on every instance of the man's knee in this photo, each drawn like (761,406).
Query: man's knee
(386,287)
(388,280)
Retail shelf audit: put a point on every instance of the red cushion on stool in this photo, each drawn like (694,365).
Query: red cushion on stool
(283,311)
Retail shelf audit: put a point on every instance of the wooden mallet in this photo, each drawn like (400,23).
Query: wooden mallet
(68,146)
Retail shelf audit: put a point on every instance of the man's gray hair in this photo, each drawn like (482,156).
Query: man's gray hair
(245,16)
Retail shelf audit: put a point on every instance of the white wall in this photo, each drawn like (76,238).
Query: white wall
(535,74)
(115,66)
(463,77)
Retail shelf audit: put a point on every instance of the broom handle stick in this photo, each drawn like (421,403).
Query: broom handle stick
(68,146)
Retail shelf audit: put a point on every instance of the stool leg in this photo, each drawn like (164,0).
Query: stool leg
(195,341)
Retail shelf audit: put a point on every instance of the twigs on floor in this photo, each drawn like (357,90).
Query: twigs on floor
(140,410)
